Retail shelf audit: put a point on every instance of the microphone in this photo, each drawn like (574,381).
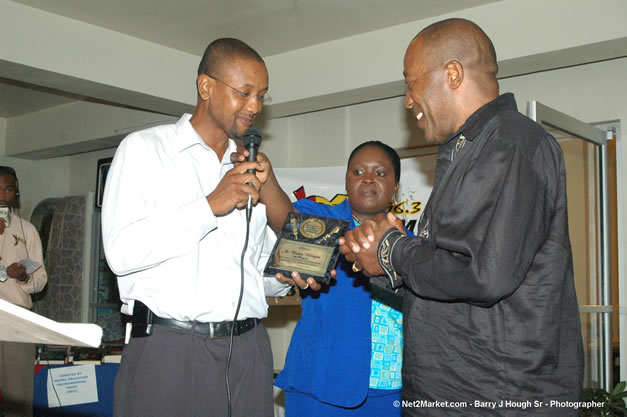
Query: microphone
(252,140)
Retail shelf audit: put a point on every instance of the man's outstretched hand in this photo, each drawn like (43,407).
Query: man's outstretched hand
(360,244)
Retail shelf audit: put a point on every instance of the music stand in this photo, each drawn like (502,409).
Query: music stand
(18,324)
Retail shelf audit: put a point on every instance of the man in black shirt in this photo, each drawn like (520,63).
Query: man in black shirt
(491,317)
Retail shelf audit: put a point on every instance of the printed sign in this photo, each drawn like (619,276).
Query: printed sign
(71,385)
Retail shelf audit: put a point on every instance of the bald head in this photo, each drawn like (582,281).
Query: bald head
(450,71)
(221,52)
(458,40)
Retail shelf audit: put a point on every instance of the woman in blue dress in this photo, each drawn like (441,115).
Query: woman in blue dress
(345,355)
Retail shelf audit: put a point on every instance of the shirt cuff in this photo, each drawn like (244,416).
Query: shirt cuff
(275,288)
(384,254)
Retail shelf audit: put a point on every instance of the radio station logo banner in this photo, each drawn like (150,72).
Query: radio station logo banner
(326,185)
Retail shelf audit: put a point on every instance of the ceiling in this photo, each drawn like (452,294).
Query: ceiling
(270,26)
(17,98)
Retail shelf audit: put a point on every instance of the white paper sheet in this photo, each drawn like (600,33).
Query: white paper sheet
(71,385)
(30,265)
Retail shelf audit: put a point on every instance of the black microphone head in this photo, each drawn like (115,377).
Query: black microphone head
(252,136)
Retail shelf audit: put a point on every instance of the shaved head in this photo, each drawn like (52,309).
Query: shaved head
(450,71)
(458,40)
(221,52)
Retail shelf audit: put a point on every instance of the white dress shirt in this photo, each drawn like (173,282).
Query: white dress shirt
(162,239)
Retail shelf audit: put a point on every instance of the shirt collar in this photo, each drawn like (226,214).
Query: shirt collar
(188,137)
(186,134)
(473,126)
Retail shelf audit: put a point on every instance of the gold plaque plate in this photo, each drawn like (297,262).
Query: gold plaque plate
(307,244)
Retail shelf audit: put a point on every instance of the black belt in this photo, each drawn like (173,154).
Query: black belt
(143,319)
(212,330)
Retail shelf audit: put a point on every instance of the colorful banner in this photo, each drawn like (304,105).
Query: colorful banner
(326,185)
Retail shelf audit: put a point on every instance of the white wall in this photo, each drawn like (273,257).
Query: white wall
(83,173)
(523,31)
(61,53)
(592,93)
(326,138)
(76,127)
(38,180)
(3,134)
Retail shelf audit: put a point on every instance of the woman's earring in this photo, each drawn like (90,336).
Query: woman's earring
(394,202)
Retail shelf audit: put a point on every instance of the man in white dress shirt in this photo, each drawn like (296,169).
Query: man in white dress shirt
(174,227)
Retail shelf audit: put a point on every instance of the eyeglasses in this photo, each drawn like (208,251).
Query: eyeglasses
(265,98)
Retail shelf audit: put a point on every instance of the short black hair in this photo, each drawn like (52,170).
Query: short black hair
(7,170)
(222,50)
(389,152)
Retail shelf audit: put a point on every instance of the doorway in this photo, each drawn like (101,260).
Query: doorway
(590,158)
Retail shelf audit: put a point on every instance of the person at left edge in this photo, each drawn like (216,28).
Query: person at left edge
(174,230)
(18,240)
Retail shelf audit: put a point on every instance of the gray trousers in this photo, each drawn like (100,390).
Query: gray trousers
(176,373)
